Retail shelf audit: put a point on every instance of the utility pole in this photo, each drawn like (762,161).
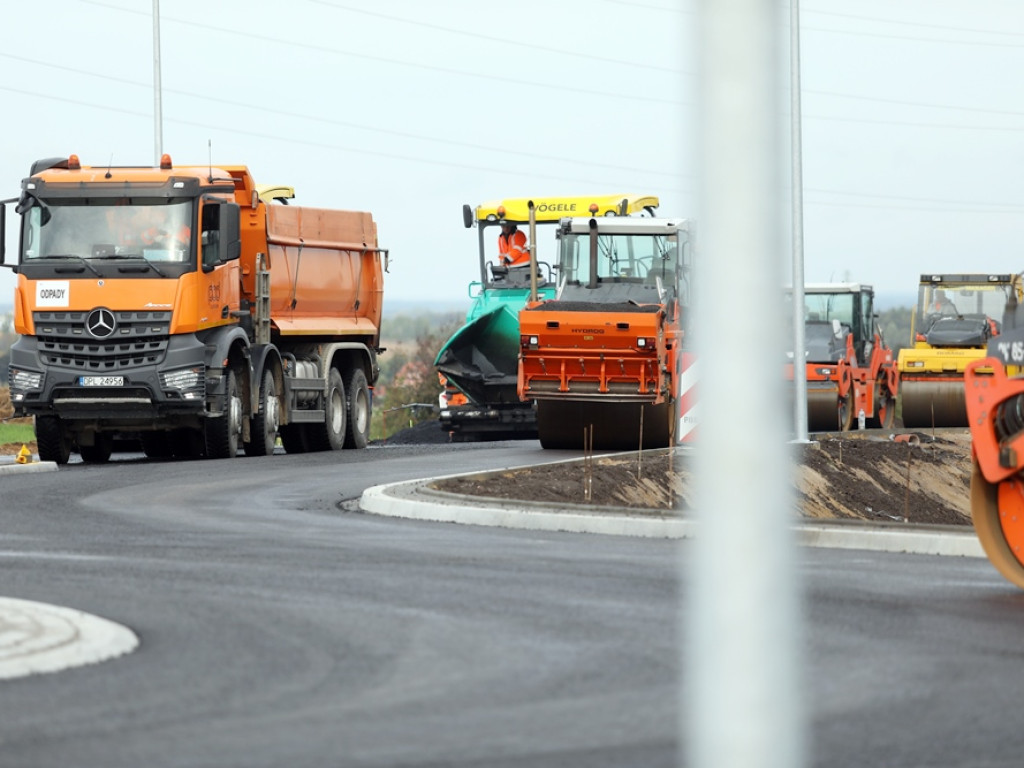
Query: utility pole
(742,621)
(799,357)
(158,118)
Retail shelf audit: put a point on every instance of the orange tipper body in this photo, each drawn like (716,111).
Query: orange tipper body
(602,360)
(192,310)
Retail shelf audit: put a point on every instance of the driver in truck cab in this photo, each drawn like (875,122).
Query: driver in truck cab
(147,226)
(512,250)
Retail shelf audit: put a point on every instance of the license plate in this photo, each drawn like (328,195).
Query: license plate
(101,381)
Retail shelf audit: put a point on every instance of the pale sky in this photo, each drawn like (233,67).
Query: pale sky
(913,112)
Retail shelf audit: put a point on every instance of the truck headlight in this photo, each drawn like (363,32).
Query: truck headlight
(182,379)
(24,380)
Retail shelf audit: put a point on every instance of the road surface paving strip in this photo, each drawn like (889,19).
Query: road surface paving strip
(37,638)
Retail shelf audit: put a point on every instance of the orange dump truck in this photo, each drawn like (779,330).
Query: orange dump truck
(603,359)
(191,312)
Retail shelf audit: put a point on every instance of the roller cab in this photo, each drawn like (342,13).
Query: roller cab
(955,318)
(849,368)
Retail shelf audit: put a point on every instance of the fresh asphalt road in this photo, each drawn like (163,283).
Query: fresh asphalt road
(279,626)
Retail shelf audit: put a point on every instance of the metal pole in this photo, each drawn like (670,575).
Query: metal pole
(157,87)
(799,366)
(533,251)
(741,693)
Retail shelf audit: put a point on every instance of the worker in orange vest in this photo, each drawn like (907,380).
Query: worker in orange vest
(512,250)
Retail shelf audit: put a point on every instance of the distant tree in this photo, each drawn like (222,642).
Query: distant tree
(895,324)
(409,395)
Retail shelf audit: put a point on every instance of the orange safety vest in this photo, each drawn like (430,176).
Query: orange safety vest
(514,254)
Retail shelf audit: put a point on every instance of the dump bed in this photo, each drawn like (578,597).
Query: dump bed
(325,272)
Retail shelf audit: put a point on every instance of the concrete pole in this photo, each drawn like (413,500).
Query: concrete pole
(799,368)
(742,705)
(158,117)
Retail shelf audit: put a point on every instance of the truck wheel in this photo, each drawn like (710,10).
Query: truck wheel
(357,430)
(330,434)
(222,431)
(263,428)
(52,442)
(99,452)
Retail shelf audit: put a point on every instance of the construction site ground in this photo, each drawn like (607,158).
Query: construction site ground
(918,478)
(904,477)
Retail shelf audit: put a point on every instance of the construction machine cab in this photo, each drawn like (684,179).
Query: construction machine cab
(831,313)
(610,259)
(547,212)
(961,310)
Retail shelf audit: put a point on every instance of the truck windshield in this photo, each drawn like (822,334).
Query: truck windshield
(96,229)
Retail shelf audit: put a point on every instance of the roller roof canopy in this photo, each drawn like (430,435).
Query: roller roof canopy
(613,225)
(836,288)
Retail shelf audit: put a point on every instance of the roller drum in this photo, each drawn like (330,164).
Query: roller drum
(934,403)
(826,411)
(616,426)
(997,512)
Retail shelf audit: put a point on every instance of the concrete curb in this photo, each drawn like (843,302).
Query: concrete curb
(8,465)
(37,638)
(414,500)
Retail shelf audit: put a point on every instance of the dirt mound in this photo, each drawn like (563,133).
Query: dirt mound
(919,479)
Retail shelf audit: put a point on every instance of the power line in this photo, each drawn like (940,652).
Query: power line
(307,46)
(910,124)
(940,41)
(362,151)
(904,103)
(936,201)
(503,40)
(343,123)
(919,24)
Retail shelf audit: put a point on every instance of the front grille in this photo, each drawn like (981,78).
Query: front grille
(140,338)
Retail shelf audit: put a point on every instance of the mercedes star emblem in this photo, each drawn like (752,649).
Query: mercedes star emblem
(100,323)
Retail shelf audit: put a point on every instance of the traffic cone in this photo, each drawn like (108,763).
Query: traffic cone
(24,455)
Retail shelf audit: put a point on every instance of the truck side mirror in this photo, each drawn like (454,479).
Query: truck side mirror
(220,239)
(230,231)
(467,216)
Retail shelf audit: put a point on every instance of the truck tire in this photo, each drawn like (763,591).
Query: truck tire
(222,431)
(99,452)
(264,425)
(329,435)
(357,427)
(51,441)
